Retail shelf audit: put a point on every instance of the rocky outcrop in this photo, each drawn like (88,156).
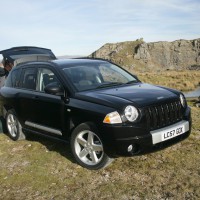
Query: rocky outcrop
(179,54)
(121,53)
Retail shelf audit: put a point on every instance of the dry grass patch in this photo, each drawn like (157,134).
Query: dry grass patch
(180,80)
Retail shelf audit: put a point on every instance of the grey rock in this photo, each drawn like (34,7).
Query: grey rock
(179,54)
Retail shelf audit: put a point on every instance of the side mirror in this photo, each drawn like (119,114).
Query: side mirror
(55,89)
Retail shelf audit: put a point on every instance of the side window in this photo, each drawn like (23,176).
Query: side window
(44,77)
(13,78)
(29,78)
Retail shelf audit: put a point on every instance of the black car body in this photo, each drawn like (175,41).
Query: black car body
(103,110)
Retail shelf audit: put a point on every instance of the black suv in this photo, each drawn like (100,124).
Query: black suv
(103,110)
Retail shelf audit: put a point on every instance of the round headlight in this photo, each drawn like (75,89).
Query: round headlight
(182,100)
(131,113)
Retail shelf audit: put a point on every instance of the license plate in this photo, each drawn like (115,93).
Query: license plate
(171,133)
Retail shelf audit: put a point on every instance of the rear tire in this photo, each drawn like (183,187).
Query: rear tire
(87,147)
(13,126)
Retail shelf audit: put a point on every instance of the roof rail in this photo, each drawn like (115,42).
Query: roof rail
(30,58)
(92,58)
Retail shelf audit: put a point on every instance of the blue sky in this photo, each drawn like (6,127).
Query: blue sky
(79,27)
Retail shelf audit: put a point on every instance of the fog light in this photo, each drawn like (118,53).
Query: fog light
(130,148)
(133,149)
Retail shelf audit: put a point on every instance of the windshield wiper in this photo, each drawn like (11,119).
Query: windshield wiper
(109,84)
(130,82)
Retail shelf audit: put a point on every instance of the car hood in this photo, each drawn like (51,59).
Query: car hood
(140,95)
(16,53)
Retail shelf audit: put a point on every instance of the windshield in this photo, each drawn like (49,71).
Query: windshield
(89,76)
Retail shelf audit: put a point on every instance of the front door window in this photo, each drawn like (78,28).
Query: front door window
(45,77)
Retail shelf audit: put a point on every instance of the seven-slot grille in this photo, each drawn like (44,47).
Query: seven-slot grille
(162,115)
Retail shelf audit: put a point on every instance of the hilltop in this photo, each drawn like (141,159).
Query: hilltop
(156,56)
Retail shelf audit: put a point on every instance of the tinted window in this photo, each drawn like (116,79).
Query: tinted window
(13,79)
(44,77)
(29,78)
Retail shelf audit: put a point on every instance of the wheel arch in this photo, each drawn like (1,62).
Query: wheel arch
(6,108)
(77,121)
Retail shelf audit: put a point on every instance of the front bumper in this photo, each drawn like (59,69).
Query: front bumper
(133,140)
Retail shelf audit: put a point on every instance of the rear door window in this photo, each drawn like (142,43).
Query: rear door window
(13,79)
(29,78)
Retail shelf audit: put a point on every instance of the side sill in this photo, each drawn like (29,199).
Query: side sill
(51,137)
(44,128)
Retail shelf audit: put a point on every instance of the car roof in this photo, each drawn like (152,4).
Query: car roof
(16,53)
(64,63)
(77,61)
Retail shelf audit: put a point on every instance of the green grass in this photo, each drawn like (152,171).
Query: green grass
(40,169)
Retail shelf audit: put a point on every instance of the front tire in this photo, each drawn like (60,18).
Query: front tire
(13,126)
(87,147)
